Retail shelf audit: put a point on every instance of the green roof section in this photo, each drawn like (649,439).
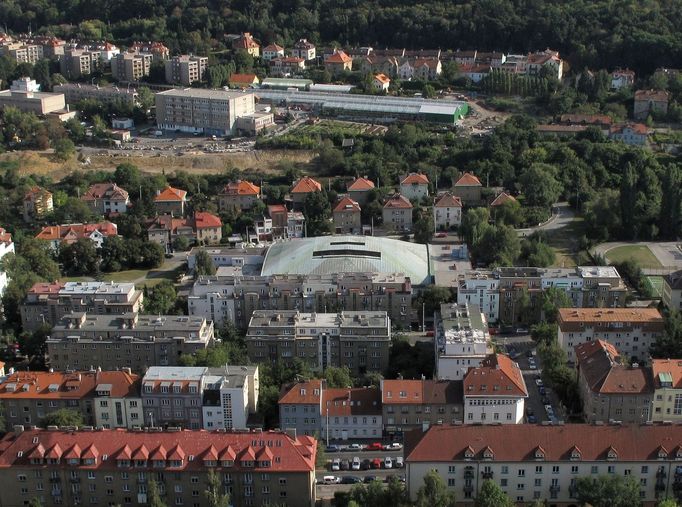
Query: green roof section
(278,83)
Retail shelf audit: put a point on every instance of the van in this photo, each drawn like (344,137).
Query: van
(330,479)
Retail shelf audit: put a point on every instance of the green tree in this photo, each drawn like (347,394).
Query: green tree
(317,211)
(203,264)
(146,98)
(154,495)
(432,297)
(35,502)
(64,149)
(213,493)
(181,244)
(434,492)
(553,299)
(669,343)
(62,417)
(607,491)
(160,299)
(540,185)
(338,377)
(80,258)
(491,495)
(423,226)
(668,502)
(320,455)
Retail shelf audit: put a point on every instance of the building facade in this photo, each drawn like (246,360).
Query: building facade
(131,67)
(185,69)
(75,92)
(447,211)
(6,247)
(107,198)
(230,396)
(172,396)
(300,407)
(397,214)
(414,186)
(238,195)
(347,217)
(672,290)
(37,203)
(351,413)
(667,397)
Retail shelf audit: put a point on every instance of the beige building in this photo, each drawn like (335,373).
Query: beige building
(185,69)
(22,52)
(397,214)
(24,96)
(107,198)
(170,201)
(610,389)
(358,340)
(101,467)
(347,217)
(338,62)
(131,67)
(75,92)
(468,189)
(246,42)
(211,112)
(650,102)
(110,399)
(129,340)
(37,203)
(76,63)
(238,195)
(672,290)
(301,188)
(667,398)
(303,49)
(46,303)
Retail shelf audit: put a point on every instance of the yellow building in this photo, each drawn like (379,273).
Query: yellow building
(667,402)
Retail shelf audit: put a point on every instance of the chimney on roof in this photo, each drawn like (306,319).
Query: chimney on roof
(291,432)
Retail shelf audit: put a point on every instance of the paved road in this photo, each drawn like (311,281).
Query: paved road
(562,216)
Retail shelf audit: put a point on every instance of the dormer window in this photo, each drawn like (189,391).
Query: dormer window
(158,463)
(175,463)
(89,461)
(176,389)
(247,464)
(73,461)
(123,463)
(227,463)
(469,453)
(662,453)
(575,455)
(611,454)
(210,463)
(140,463)
(265,464)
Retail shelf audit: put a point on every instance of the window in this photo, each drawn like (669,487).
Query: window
(594,469)
(574,469)
(555,469)
(522,472)
(504,470)
(451,482)
(538,469)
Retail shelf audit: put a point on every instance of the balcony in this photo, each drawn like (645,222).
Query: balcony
(468,474)
(555,488)
(468,489)
(660,474)
(487,474)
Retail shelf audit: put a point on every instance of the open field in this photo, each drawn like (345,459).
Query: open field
(346,128)
(638,253)
(140,277)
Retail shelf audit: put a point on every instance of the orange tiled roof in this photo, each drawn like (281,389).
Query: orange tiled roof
(241,187)
(415,179)
(503,198)
(637,128)
(468,180)
(382,78)
(361,184)
(73,232)
(205,220)
(46,288)
(447,200)
(402,391)
(338,57)
(308,393)
(36,191)
(273,47)
(60,385)
(105,191)
(351,401)
(600,365)
(5,237)
(245,42)
(347,205)
(599,315)
(496,370)
(171,194)
(277,208)
(398,201)
(306,185)
(671,366)
(243,78)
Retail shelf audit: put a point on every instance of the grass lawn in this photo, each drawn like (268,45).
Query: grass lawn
(655,283)
(638,253)
(147,277)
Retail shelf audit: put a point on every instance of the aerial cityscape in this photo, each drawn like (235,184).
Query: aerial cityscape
(338,254)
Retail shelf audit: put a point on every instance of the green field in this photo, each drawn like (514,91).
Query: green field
(141,277)
(638,253)
(655,284)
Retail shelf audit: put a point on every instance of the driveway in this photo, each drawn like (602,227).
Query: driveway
(562,216)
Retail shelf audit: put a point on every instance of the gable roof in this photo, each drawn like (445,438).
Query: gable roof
(171,194)
(338,57)
(307,393)
(667,371)
(306,185)
(382,78)
(243,78)
(447,200)
(361,185)
(655,95)
(432,392)
(398,201)
(273,47)
(351,401)
(5,237)
(35,192)
(600,365)
(205,220)
(347,205)
(74,232)
(245,41)
(468,180)
(415,179)
(637,128)
(241,187)
(60,385)
(105,191)
(497,375)
(503,198)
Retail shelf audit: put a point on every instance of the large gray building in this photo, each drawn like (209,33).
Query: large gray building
(172,396)
(131,340)
(75,92)
(185,69)
(359,340)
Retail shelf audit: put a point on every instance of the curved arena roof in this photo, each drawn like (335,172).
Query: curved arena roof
(348,254)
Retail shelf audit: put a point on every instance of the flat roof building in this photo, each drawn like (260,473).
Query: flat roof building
(185,69)
(24,96)
(75,92)
(131,67)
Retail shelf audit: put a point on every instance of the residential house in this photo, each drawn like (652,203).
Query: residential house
(495,392)
(447,211)
(465,57)
(68,234)
(476,73)
(300,407)
(672,290)
(654,102)
(243,81)
(286,66)
(406,69)
(208,228)
(173,395)
(278,215)
(622,78)
(170,201)
(667,396)
(238,195)
(426,69)
(338,63)
(602,121)
(110,399)
(546,59)
(359,190)
(6,247)
(381,82)
(611,389)
(113,466)
(107,198)
(544,462)
(203,228)
(351,413)
(245,42)
(303,49)
(387,65)
(468,189)
(37,203)
(272,51)
(301,188)
(414,186)
(502,199)
(493,59)
(397,214)
(415,404)
(347,217)
(630,330)
(635,134)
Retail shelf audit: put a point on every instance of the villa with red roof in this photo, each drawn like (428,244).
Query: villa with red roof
(243,80)
(381,82)
(245,42)
(170,201)
(203,228)
(347,217)
(414,186)
(208,228)
(238,195)
(338,62)
(447,211)
(272,51)
(359,190)
(106,198)
(256,468)
(397,214)
(70,233)
(302,188)
(468,189)
(502,199)
(494,392)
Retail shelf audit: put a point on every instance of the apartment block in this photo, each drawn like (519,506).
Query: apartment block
(24,94)
(631,330)
(300,407)
(76,63)
(47,303)
(103,467)
(230,397)
(538,462)
(108,399)
(482,289)
(131,67)
(672,290)
(235,297)
(417,404)
(351,413)
(22,52)
(359,340)
(185,69)
(667,397)
(211,112)
(611,389)
(129,340)
(173,396)
(75,92)
(462,340)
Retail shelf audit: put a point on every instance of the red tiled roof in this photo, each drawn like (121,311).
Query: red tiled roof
(171,194)
(415,179)
(518,442)
(360,185)
(602,315)
(447,200)
(498,371)
(503,198)
(671,366)
(141,453)
(351,401)
(273,47)
(655,95)
(168,223)
(105,191)
(159,454)
(306,185)
(72,232)
(398,201)
(600,365)
(588,119)
(205,220)
(245,42)
(347,205)
(338,57)
(468,180)
(5,237)
(382,78)
(637,128)
(35,191)
(36,384)
(243,78)
(307,393)
(277,208)
(290,455)
(241,187)
(402,392)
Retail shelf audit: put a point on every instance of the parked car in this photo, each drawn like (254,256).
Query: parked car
(545,401)
(521,330)
(349,479)
(336,465)
(331,479)
(399,462)
(370,478)
(542,391)
(332,448)
(374,446)
(376,463)
(538,382)
(394,446)
(355,464)
(366,464)
(532,365)
(355,447)
(388,462)
(345,464)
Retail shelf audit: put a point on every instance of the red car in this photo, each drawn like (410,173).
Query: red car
(375,446)
(376,463)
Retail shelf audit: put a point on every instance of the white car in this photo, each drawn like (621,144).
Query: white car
(395,446)
(355,447)
(538,382)
(355,464)
(331,479)
(388,463)
(399,463)
(336,465)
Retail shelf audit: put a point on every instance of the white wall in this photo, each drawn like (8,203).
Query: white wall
(509,410)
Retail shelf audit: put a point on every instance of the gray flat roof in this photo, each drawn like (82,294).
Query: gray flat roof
(204,93)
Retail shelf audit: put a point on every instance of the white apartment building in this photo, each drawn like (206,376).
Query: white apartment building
(462,339)
(116,409)
(495,392)
(6,246)
(631,330)
(415,186)
(447,211)
(483,290)
(351,413)
(230,395)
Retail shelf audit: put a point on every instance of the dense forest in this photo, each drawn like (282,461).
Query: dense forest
(641,34)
